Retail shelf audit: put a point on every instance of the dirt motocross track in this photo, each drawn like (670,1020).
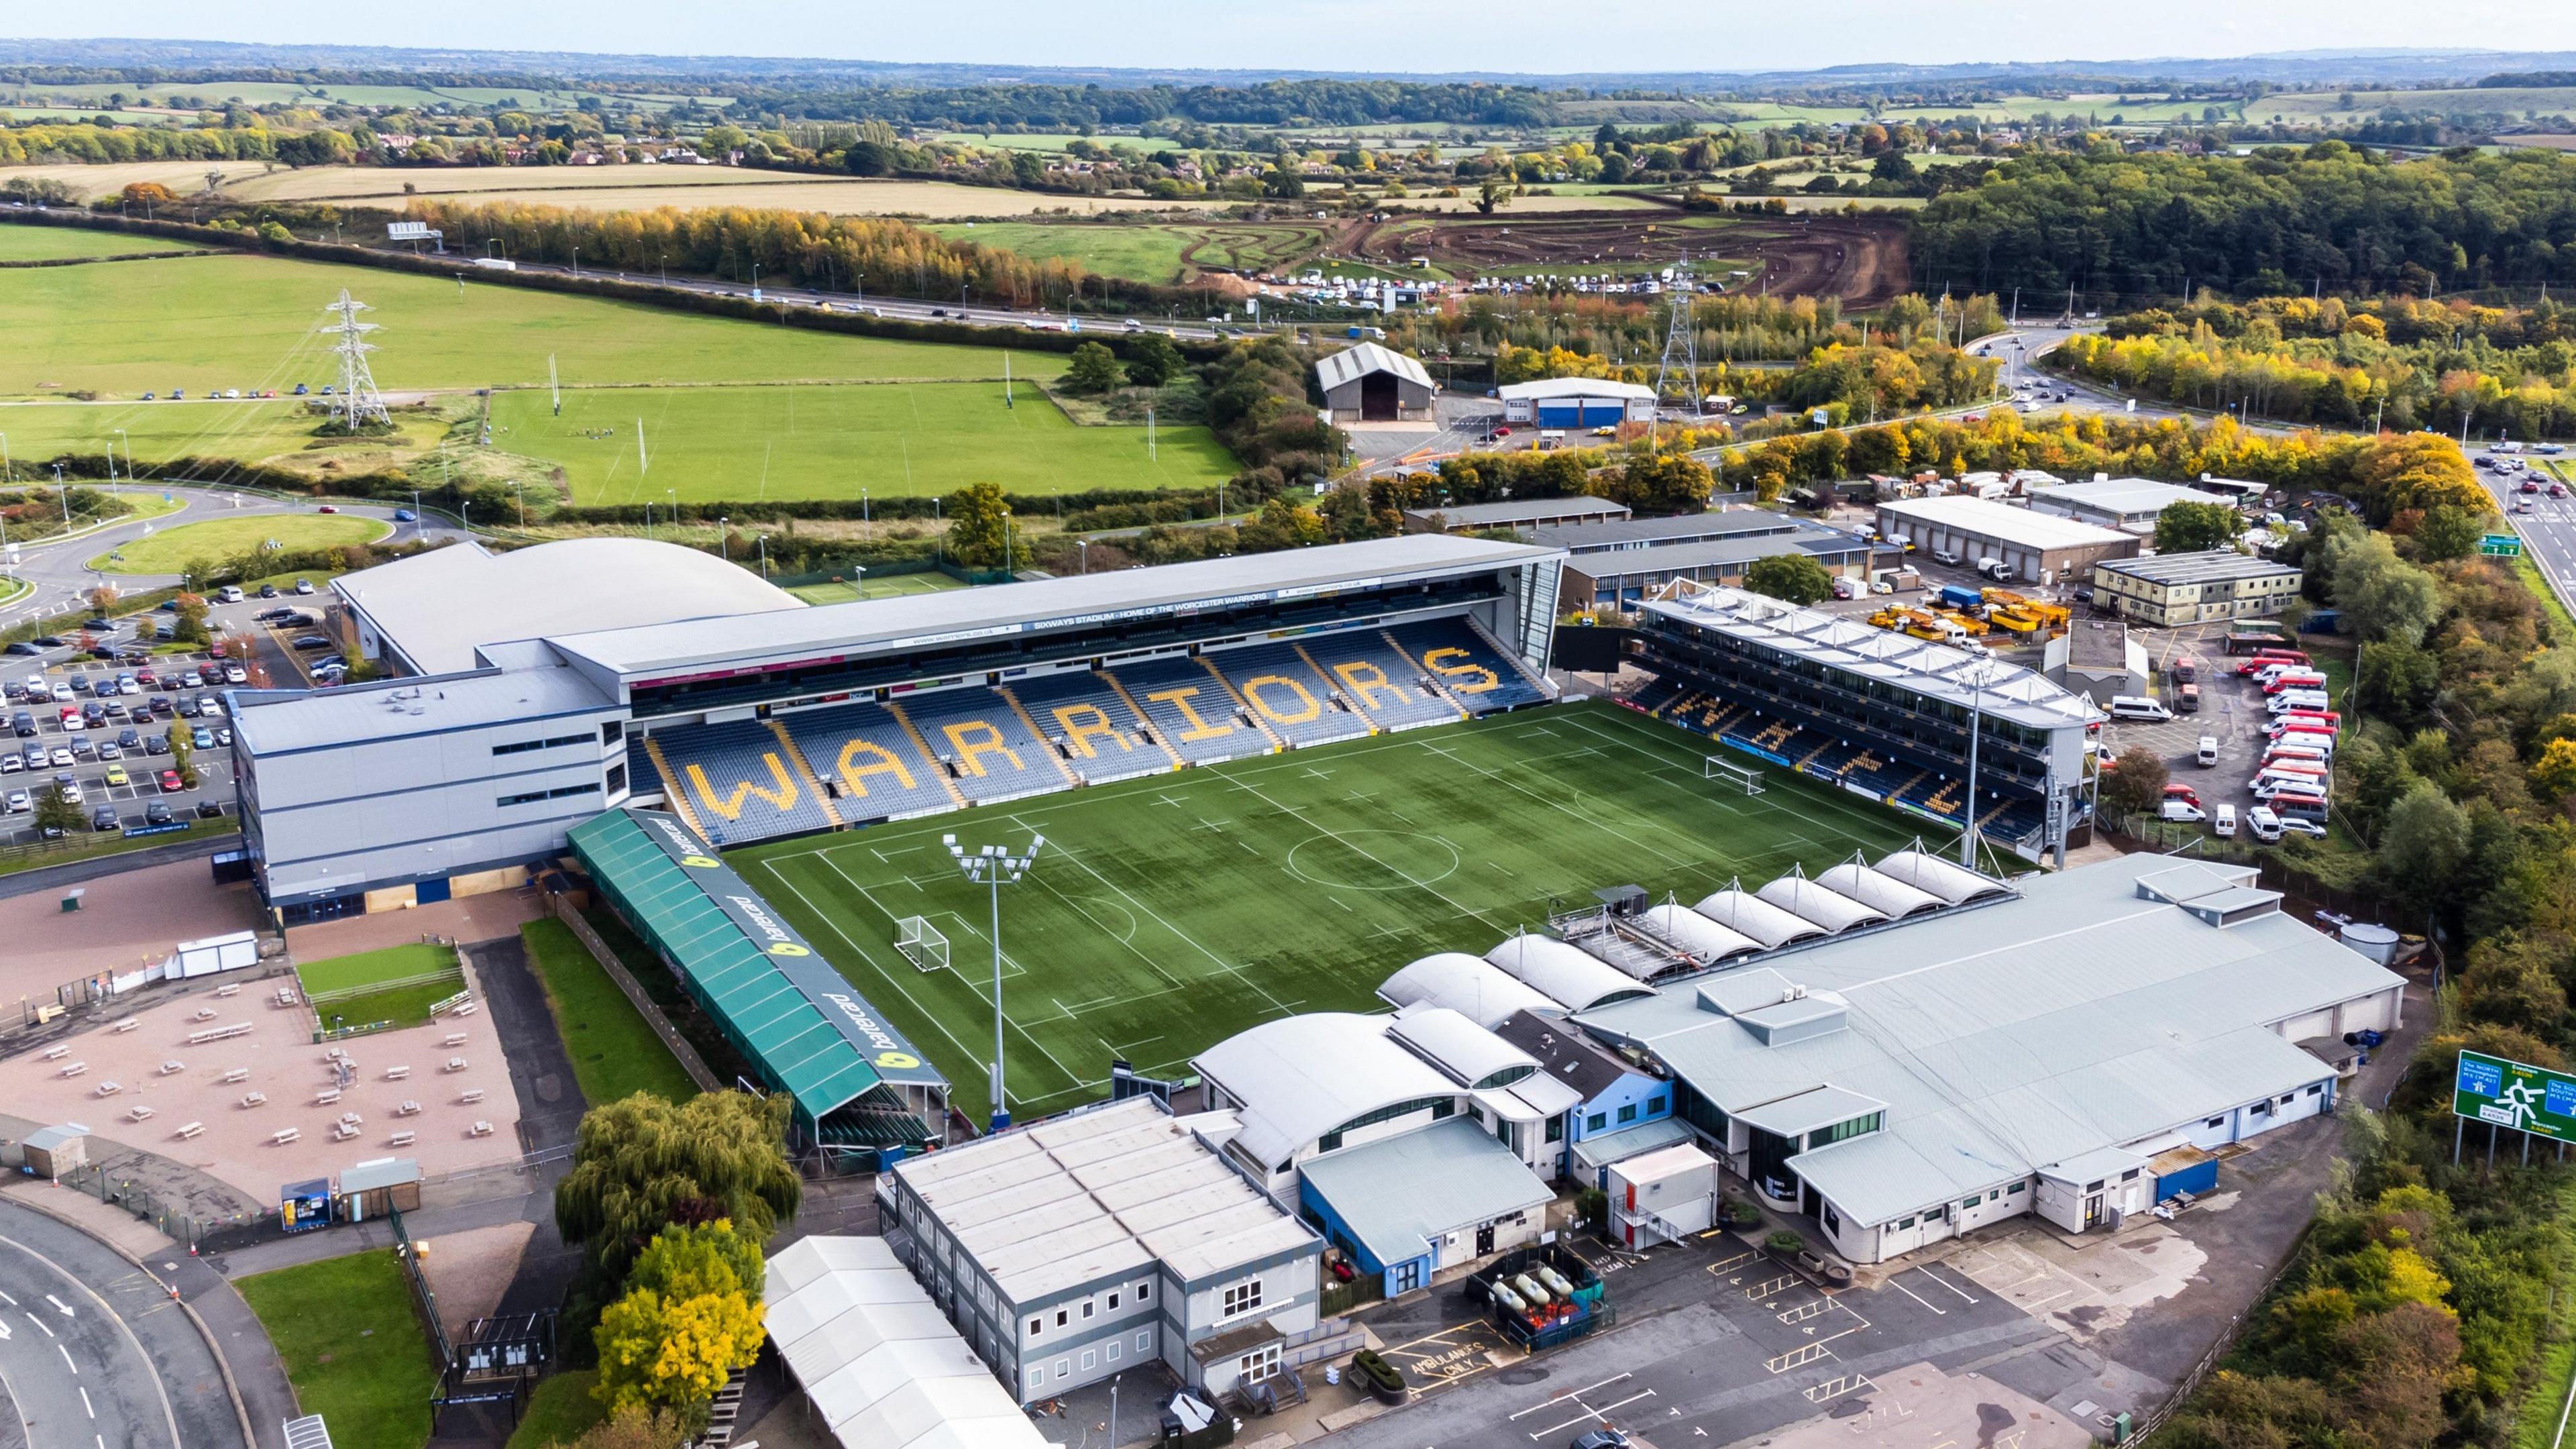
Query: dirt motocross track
(1860,260)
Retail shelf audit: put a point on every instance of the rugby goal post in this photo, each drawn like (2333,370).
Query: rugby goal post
(1727,772)
(921,943)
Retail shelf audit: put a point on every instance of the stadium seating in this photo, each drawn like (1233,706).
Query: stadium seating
(867,751)
(1084,711)
(642,775)
(1375,676)
(1288,695)
(1189,710)
(1475,674)
(741,783)
(1655,696)
(996,755)
(1876,770)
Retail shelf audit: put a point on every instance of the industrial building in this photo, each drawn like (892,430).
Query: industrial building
(2130,505)
(1521,515)
(751,716)
(1367,383)
(2079,1049)
(1576,402)
(1105,1239)
(2037,548)
(2172,590)
(1618,563)
(2098,660)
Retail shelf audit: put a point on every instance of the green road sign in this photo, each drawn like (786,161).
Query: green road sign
(2501,545)
(2509,1094)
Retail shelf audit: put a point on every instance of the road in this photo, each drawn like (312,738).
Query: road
(96,1352)
(2548,530)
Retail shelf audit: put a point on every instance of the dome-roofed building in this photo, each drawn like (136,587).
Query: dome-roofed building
(1470,985)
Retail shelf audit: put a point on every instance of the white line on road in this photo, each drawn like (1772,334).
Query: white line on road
(1595,1416)
(58,1303)
(1553,1401)
(1917,1297)
(5,1298)
(86,1404)
(40,1323)
(67,1360)
(1944,1282)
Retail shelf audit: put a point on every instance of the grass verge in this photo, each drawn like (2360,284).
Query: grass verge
(614,1051)
(225,538)
(345,1331)
(88,846)
(559,1411)
(2529,572)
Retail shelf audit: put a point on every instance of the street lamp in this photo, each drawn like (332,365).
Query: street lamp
(995,867)
(724,542)
(1976,727)
(129,458)
(764,555)
(1084,544)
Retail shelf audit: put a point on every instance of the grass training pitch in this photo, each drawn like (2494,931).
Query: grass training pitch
(1169,912)
(53,243)
(246,322)
(753,443)
(171,550)
(348,1338)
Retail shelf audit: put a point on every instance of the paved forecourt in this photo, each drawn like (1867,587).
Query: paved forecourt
(1169,912)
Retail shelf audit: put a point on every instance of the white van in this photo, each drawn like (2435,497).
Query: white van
(2290,701)
(1945,556)
(2138,706)
(2305,740)
(2208,755)
(2183,811)
(2294,755)
(2223,824)
(2264,825)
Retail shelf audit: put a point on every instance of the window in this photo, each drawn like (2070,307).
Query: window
(1596,1122)
(2094,1186)
(2317,1091)
(1438,1107)
(565,792)
(2129,1176)
(1090,1360)
(1086,1307)
(1654,1106)
(1627,1113)
(1841,1131)
(1329,1142)
(521,747)
(1036,1327)
(1145,1342)
(1113,1298)
(1442,1108)
(1037,1376)
(1904,1223)
(617,778)
(1972,1202)
(2018,1186)
(2215,1122)
(1259,1364)
(612,731)
(1064,1368)
(1109,1350)
(2287,1100)
(1062,1317)
(1556,1126)
(1237,1299)
(1144,1291)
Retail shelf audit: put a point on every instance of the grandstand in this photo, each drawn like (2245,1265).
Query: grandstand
(1882,715)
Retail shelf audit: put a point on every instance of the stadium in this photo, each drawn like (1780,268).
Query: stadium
(1263,783)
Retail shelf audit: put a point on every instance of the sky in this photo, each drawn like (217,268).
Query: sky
(1533,36)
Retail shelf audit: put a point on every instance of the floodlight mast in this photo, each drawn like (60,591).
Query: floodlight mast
(994,867)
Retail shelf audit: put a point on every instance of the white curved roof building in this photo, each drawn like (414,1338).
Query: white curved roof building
(1469,985)
(1706,942)
(1750,915)
(1469,1054)
(1832,910)
(1949,880)
(1297,1078)
(1884,894)
(1579,979)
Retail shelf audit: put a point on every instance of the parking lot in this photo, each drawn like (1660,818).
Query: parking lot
(2231,712)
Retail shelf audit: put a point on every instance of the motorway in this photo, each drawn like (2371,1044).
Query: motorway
(2548,530)
(95,1352)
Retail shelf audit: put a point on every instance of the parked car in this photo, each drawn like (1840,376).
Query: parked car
(170,782)
(104,818)
(313,641)
(116,775)
(20,803)
(157,813)
(202,737)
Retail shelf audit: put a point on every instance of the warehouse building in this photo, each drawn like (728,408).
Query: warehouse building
(2130,505)
(1622,574)
(1372,384)
(2036,548)
(1576,402)
(1103,1240)
(2171,590)
(1899,1092)
(1521,515)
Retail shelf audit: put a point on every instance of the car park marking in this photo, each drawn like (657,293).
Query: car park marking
(1836,1387)
(1917,1297)
(1592,1414)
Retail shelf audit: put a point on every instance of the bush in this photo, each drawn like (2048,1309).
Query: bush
(1785,1242)
(1376,1372)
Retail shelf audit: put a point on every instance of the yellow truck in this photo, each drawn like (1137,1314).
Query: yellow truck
(2053,616)
(2006,617)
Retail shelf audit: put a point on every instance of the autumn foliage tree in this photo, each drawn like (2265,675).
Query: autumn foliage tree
(690,1317)
(643,1163)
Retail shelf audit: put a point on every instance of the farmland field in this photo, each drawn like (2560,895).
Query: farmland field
(248,321)
(1148,252)
(156,433)
(748,443)
(50,243)
(1170,912)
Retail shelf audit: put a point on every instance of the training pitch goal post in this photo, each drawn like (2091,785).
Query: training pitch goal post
(921,943)
(1727,772)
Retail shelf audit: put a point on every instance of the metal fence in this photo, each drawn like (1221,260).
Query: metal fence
(181,1222)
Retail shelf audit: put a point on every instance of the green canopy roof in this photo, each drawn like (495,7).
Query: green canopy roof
(784,1007)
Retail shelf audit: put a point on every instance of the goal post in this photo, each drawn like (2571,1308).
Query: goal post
(1727,772)
(921,943)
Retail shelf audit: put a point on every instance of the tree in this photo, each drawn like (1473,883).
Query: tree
(642,1163)
(1282,524)
(635,1428)
(1662,483)
(1795,577)
(2554,773)
(103,597)
(2383,596)
(2423,842)
(979,526)
(690,1317)
(55,812)
(1094,369)
(190,611)
(2447,533)
(1491,193)
(2188,527)
(183,752)
(1154,361)
(2136,784)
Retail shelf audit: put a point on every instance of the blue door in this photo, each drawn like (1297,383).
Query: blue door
(430,892)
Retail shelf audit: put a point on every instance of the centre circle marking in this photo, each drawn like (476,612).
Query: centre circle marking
(1372,851)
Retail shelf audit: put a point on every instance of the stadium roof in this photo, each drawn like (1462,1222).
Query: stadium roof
(1353,363)
(1300,1077)
(1111,1189)
(955,615)
(779,1001)
(1885,658)
(1555,387)
(438,607)
(2021,527)
(880,1361)
(2100,1007)
(2215,566)
(1469,985)
(1394,1194)
(274,722)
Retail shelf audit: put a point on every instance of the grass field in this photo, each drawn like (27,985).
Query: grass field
(1159,252)
(559,1411)
(171,550)
(346,1334)
(614,1052)
(396,984)
(248,321)
(892,586)
(1168,913)
(50,243)
(754,443)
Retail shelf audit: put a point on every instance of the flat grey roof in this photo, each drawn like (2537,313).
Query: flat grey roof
(2218,565)
(1095,1193)
(273,722)
(2021,527)
(1397,1193)
(2128,495)
(1708,553)
(1679,528)
(1996,1057)
(1521,510)
(956,615)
